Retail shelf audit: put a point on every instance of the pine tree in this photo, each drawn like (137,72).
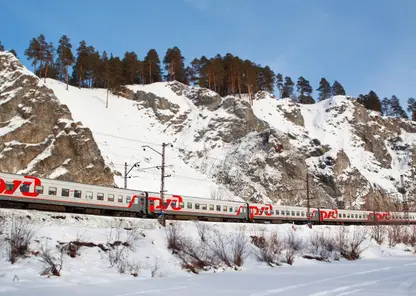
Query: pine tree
(65,58)
(13,52)
(279,82)
(396,108)
(411,108)
(324,90)
(48,57)
(174,65)
(1,46)
(386,107)
(152,67)
(267,79)
(33,53)
(288,88)
(130,68)
(115,73)
(337,89)
(372,102)
(80,67)
(305,90)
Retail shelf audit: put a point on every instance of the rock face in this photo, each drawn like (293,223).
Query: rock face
(38,135)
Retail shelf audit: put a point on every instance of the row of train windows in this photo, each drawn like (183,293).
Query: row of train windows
(53,191)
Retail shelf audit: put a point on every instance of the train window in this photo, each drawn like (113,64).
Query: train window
(356,216)
(9,186)
(100,196)
(302,213)
(343,215)
(204,207)
(235,209)
(65,192)
(218,208)
(52,191)
(277,212)
(110,197)
(230,209)
(24,188)
(88,195)
(224,208)
(197,206)
(181,205)
(297,213)
(77,193)
(128,199)
(293,213)
(287,213)
(39,189)
(120,198)
(211,207)
(189,205)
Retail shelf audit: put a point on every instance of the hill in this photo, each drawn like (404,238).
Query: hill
(222,147)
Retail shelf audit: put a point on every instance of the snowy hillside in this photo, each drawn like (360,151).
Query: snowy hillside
(121,130)
(219,141)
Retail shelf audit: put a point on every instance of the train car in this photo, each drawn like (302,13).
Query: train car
(49,194)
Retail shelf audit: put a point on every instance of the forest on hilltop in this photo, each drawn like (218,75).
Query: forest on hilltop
(226,75)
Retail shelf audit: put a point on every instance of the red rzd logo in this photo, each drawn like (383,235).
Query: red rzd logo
(17,184)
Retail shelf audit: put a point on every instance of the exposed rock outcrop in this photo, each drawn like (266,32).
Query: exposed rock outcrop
(38,135)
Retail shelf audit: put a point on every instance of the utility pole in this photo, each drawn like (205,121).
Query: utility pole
(402,190)
(137,164)
(125,175)
(162,181)
(308,201)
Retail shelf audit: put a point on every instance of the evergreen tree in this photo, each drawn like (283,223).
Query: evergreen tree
(411,108)
(80,67)
(324,90)
(103,73)
(288,88)
(130,68)
(266,79)
(115,73)
(337,89)
(305,90)
(48,58)
(279,82)
(65,58)
(396,108)
(13,52)
(152,70)
(33,53)
(1,46)
(372,102)
(386,107)
(174,65)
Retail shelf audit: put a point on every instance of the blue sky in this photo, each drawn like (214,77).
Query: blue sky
(366,45)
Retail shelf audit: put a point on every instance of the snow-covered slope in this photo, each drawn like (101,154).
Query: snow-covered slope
(219,141)
(121,131)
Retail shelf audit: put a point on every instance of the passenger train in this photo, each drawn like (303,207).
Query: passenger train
(29,192)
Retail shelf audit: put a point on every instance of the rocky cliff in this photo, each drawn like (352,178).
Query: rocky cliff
(38,135)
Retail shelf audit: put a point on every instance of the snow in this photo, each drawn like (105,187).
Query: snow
(122,129)
(381,271)
(12,125)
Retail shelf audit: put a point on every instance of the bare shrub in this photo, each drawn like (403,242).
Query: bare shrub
(218,244)
(395,234)
(120,241)
(378,233)
(239,247)
(21,234)
(269,249)
(293,245)
(202,229)
(321,247)
(53,266)
(350,246)
(174,235)
(218,193)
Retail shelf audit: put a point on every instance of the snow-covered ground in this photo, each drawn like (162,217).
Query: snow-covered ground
(381,271)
